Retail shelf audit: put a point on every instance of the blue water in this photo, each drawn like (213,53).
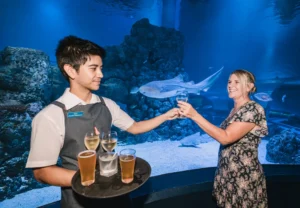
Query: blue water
(261,36)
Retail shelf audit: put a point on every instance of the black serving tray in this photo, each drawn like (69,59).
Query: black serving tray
(108,187)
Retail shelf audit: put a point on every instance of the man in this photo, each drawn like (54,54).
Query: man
(59,129)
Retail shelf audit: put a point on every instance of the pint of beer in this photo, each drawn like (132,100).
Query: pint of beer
(127,163)
(87,164)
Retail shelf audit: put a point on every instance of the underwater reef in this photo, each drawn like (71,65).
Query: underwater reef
(25,88)
(284,147)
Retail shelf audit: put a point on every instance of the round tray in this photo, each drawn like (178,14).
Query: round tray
(108,187)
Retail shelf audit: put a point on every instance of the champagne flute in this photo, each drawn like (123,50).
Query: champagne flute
(91,140)
(182,96)
(109,140)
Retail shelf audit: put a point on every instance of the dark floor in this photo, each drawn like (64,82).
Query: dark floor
(193,189)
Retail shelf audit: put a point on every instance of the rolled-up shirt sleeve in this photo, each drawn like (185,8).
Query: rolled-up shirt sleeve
(120,118)
(46,142)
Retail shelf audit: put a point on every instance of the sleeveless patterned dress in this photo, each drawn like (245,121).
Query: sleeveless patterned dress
(239,179)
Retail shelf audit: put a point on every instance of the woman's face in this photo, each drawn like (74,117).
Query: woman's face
(234,87)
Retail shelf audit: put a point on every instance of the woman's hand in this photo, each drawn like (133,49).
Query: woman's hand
(187,110)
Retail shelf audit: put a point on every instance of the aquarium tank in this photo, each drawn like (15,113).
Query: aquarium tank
(199,42)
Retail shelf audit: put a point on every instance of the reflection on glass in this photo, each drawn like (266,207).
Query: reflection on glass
(109,140)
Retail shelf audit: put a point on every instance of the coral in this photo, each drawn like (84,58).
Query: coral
(284,147)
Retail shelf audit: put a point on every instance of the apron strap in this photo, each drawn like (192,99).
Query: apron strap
(59,104)
(102,100)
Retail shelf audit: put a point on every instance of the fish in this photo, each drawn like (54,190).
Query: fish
(172,87)
(277,81)
(280,114)
(110,85)
(196,100)
(262,96)
(133,106)
(195,140)
(283,98)
(134,90)
(191,141)
(203,101)
(13,105)
(200,102)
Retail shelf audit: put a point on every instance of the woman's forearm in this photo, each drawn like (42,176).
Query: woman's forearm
(217,133)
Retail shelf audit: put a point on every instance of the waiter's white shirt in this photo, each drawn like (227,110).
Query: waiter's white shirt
(48,128)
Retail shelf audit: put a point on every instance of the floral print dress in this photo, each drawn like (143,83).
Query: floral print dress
(239,180)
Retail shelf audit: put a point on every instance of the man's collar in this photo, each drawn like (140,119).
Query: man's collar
(70,100)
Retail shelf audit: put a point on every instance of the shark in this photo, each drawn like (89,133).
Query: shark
(195,140)
(172,87)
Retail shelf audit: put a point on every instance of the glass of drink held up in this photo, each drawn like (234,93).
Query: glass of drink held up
(87,164)
(182,96)
(127,163)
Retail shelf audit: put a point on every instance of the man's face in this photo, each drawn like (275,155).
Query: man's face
(90,74)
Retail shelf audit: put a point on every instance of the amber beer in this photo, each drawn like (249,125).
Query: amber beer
(87,163)
(127,163)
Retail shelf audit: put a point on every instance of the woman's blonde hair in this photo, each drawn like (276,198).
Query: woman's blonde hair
(245,77)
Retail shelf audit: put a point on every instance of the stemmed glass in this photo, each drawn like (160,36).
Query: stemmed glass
(109,140)
(182,96)
(108,161)
(91,140)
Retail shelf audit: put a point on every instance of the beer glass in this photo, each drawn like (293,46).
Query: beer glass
(91,140)
(127,163)
(109,140)
(182,96)
(87,164)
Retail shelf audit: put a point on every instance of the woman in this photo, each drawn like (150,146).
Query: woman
(239,179)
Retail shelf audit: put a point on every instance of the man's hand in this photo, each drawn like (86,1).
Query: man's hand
(172,114)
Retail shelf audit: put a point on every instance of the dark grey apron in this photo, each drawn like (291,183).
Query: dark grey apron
(79,120)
